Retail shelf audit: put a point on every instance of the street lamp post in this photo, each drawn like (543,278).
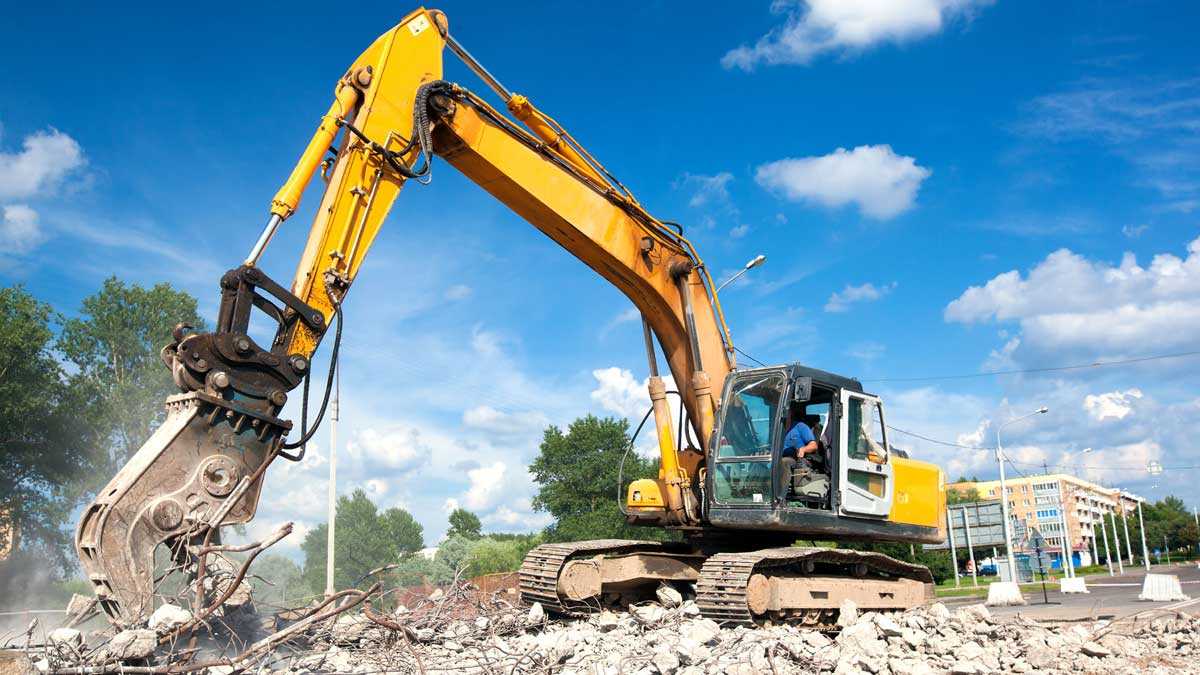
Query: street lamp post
(1008,544)
(331,507)
(758,260)
(1125,526)
(1107,553)
(1142,527)
(1068,563)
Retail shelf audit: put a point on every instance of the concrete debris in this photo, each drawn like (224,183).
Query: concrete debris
(536,615)
(668,596)
(167,617)
(131,644)
(486,636)
(847,613)
(66,637)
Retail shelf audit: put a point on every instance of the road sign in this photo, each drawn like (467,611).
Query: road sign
(986,520)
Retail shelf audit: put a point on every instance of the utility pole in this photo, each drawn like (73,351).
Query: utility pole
(1167,549)
(1142,527)
(332,506)
(953,550)
(1107,554)
(1092,536)
(1117,542)
(1008,542)
(1125,523)
(1068,564)
(970,549)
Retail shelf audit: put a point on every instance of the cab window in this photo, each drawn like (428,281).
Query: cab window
(864,424)
(750,415)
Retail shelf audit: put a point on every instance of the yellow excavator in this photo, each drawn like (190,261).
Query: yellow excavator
(728,490)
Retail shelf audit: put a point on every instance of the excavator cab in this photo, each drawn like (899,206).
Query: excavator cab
(851,476)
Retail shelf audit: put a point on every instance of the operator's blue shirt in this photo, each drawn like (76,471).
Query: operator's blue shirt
(797,438)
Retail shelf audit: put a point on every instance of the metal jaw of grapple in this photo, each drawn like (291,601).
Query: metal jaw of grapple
(203,468)
(194,471)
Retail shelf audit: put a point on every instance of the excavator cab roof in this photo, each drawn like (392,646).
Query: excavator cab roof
(797,370)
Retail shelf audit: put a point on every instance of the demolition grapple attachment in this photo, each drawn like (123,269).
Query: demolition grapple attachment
(203,468)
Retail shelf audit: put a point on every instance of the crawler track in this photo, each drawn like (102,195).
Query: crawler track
(538,576)
(721,592)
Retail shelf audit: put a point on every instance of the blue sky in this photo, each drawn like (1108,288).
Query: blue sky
(945,187)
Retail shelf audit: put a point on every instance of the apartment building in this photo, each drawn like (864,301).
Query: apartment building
(1039,501)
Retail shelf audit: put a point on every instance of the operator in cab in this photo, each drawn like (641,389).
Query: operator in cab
(798,445)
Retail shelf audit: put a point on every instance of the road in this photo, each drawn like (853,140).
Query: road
(1108,597)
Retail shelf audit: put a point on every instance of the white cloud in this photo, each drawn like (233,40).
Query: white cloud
(1115,405)
(840,301)
(1070,306)
(1149,122)
(881,183)
(399,449)
(1134,231)
(458,292)
(486,485)
(450,505)
(618,392)
(45,158)
(19,229)
(488,419)
(814,27)
(485,343)
(707,190)
(375,487)
(739,231)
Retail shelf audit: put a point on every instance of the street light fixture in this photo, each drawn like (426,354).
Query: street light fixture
(758,260)
(1012,562)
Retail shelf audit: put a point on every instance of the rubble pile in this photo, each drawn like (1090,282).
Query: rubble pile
(669,637)
(653,638)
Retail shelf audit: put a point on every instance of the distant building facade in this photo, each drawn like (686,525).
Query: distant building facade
(1036,501)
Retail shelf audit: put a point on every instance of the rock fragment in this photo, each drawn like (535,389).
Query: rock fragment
(167,617)
(668,596)
(132,644)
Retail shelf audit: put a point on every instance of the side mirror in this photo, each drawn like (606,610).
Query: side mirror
(801,389)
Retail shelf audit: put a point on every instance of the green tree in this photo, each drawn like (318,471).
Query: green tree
(43,434)
(365,540)
(463,523)
(576,474)
(963,495)
(277,581)
(114,345)
(1167,521)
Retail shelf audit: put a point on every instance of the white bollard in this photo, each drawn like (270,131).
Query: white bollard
(1162,588)
(1072,585)
(1003,593)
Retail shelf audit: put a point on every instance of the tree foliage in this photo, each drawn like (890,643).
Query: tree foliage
(1169,524)
(43,432)
(114,345)
(277,581)
(463,523)
(576,474)
(365,539)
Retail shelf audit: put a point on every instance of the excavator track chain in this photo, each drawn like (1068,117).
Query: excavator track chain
(539,574)
(723,590)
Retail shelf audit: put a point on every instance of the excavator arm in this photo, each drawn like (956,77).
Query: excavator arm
(391,115)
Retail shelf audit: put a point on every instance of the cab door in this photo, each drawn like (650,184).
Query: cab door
(864,469)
